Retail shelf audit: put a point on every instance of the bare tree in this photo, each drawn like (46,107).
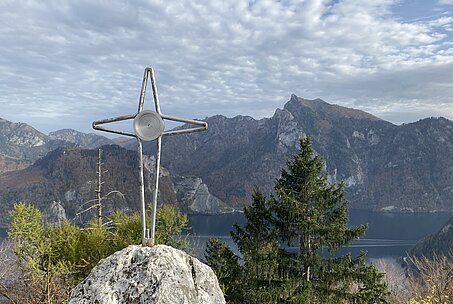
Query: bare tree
(423,278)
(396,280)
(99,197)
(15,287)
(431,276)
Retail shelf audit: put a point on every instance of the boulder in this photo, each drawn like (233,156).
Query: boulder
(159,274)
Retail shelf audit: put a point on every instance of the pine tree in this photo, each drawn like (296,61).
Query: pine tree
(262,256)
(311,215)
(226,266)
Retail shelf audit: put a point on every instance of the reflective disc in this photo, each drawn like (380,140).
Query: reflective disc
(148,125)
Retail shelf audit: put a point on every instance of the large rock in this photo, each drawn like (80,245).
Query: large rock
(159,274)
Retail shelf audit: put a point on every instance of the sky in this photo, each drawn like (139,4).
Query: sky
(64,64)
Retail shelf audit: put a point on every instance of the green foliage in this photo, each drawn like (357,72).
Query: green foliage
(226,265)
(169,227)
(439,243)
(37,253)
(128,229)
(310,214)
(55,258)
(263,256)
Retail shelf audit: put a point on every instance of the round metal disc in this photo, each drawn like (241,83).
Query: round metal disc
(148,125)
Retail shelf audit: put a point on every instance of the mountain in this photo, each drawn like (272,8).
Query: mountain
(384,166)
(79,139)
(440,243)
(68,176)
(21,144)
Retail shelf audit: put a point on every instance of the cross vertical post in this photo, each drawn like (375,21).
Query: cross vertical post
(149,126)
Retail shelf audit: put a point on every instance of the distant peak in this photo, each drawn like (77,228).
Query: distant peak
(320,107)
(299,101)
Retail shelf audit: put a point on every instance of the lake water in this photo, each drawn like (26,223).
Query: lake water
(389,235)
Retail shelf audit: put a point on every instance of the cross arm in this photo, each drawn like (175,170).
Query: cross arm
(96,124)
(203,125)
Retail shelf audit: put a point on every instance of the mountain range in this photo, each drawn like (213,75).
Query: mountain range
(21,144)
(384,167)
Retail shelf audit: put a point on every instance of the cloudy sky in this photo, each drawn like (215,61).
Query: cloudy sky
(64,64)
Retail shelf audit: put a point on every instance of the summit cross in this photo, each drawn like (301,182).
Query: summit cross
(149,126)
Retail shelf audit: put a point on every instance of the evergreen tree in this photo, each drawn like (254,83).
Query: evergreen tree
(261,253)
(226,266)
(310,214)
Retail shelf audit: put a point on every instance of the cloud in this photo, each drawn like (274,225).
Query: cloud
(64,64)
(446,2)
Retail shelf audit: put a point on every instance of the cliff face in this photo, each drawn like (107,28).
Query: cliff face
(383,166)
(195,195)
(159,274)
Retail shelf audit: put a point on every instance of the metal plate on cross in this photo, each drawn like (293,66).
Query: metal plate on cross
(148,125)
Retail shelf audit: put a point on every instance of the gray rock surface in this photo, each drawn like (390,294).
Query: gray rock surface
(193,193)
(55,214)
(159,274)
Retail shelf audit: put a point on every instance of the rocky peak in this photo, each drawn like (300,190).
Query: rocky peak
(21,144)
(159,274)
(288,130)
(20,135)
(382,164)
(321,109)
(80,139)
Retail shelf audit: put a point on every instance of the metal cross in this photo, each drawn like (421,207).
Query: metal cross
(149,125)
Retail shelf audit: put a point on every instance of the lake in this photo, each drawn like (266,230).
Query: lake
(389,235)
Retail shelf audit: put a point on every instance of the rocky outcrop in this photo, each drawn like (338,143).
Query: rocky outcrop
(195,196)
(159,274)
(20,134)
(55,214)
